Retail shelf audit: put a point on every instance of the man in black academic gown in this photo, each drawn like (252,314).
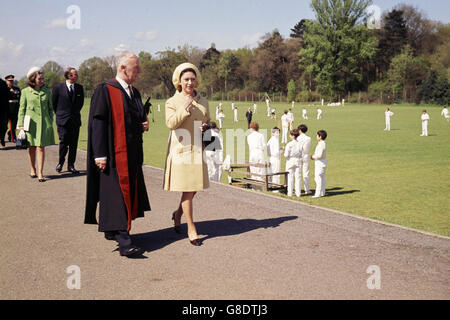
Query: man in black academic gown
(117,121)
(67,100)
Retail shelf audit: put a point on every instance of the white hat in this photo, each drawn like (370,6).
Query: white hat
(180,69)
(33,71)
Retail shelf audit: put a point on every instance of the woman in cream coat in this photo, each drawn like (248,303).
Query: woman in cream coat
(185,169)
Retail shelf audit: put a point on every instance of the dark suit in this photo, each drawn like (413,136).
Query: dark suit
(67,108)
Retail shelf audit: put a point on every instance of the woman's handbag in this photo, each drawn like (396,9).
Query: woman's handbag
(21,141)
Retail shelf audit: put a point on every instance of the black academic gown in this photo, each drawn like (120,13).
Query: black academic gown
(104,187)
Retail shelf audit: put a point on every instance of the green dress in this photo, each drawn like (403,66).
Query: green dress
(38,105)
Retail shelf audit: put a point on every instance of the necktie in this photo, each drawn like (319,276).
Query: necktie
(71,91)
(131,92)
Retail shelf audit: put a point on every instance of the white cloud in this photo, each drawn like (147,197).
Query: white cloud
(148,35)
(9,53)
(121,48)
(58,51)
(56,23)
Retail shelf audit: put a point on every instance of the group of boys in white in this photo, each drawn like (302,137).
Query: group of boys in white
(297,157)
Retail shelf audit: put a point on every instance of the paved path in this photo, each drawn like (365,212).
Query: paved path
(256,246)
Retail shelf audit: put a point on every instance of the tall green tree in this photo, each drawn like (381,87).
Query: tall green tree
(337,45)
(227,67)
(94,71)
(392,38)
(275,62)
(406,73)
(167,61)
(53,73)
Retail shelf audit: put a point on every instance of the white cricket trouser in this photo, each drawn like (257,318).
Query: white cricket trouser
(284,135)
(220,123)
(425,128)
(319,178)
(305,172)
(275,165)
(294,174)
(388,125)
(319,116)
(235,117)
(214,169)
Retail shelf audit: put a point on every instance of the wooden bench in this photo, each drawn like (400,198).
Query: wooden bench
(249,181)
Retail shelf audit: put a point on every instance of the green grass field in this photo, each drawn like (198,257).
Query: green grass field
(397,176)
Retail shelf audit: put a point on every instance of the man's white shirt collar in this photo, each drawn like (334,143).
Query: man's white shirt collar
(124,85)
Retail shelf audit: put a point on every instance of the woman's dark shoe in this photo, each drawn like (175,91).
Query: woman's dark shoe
(33,176)
(177,228)
(196,242)
(42,180)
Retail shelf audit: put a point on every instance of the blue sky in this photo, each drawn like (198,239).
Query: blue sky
(35,31)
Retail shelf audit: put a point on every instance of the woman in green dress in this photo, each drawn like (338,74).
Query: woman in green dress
(36,103)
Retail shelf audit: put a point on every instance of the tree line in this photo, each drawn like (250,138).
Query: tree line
(335,56)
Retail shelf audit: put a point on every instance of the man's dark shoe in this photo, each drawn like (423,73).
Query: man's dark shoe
(59,167)
(110,235)
(130,251)
(73,170)
(2,142)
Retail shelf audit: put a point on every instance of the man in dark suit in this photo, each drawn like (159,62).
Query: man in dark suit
(68,99)
(249,116)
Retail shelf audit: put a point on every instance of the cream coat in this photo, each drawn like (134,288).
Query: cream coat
(185,168)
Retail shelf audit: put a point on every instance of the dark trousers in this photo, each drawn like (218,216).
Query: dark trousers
(3,124)
(12,125)
(68,141)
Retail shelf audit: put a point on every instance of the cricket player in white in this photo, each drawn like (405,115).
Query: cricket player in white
(214,158)
(293,154)
(425,118)
(257,147)
(293,104)
(319,113)
(268,107)
(305,142)
(235,114)
(291,119)
(274,153)
(284,127)
(444,113)
(388,114)
(320,164)
(220,117)
(304,115)
(254,107)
